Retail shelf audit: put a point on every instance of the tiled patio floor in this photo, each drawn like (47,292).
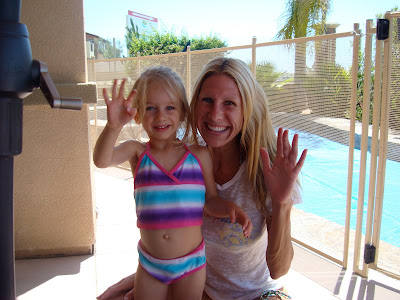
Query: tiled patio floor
(84,277)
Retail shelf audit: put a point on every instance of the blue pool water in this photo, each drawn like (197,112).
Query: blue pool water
(324,185)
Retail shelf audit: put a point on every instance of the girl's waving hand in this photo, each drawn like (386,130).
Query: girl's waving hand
(119,110)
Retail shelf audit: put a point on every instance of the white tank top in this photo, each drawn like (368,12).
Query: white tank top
(236,266)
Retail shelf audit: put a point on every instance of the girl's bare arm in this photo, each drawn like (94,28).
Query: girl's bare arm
(215,205)
(119,113)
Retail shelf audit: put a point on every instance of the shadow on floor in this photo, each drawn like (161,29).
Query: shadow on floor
(32,273)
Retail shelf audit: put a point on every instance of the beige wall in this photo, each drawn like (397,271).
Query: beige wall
(57,36)
(53,185)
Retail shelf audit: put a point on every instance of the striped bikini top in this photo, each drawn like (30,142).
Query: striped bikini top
(169,199)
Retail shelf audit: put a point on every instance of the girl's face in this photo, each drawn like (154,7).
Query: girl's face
(219,111)
(162,115)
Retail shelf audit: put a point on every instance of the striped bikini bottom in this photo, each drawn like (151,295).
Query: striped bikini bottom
(171,270)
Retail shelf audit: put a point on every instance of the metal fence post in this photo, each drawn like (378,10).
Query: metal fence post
(253,56)
(364,150)
(356,45)
(138,63)
(189,73)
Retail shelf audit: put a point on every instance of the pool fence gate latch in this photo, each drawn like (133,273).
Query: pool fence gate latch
(369,253)
(382,29)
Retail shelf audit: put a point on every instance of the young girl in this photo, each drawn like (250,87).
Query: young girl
(172,183)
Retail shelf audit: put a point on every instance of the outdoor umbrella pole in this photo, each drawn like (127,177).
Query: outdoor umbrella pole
(19,75)
(15,64)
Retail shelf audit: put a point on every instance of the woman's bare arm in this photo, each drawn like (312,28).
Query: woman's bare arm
(280,179)
(122,290)
(280,249)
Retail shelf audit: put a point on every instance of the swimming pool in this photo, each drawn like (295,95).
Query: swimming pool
(324,185)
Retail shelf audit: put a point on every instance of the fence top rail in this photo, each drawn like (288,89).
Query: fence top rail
(139,57)
(225,49)
(330,36)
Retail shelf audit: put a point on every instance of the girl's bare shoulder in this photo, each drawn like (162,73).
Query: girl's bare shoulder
(201,152)
(198,150)
(132,148)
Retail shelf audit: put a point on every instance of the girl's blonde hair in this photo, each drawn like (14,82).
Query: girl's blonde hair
(257,131)
(173,85)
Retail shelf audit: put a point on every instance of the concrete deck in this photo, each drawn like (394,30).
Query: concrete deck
(84,277)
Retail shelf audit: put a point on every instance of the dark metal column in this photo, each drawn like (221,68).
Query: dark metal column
(15,60)
(19,75)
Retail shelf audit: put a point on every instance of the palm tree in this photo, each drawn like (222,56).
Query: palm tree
(302,18)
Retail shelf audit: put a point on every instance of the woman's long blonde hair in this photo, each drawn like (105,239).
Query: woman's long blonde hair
(257,131)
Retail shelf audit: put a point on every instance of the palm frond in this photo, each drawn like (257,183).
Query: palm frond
(302,17)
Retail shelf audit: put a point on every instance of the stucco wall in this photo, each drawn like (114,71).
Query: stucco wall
(53,185)
(57,36)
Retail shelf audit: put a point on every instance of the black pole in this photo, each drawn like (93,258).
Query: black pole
(19,75)
(7,277)
(15,84)
(10,11)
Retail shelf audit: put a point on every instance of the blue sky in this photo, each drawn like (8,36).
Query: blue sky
(234,21)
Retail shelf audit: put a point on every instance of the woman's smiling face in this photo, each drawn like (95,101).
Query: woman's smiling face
(219,111)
